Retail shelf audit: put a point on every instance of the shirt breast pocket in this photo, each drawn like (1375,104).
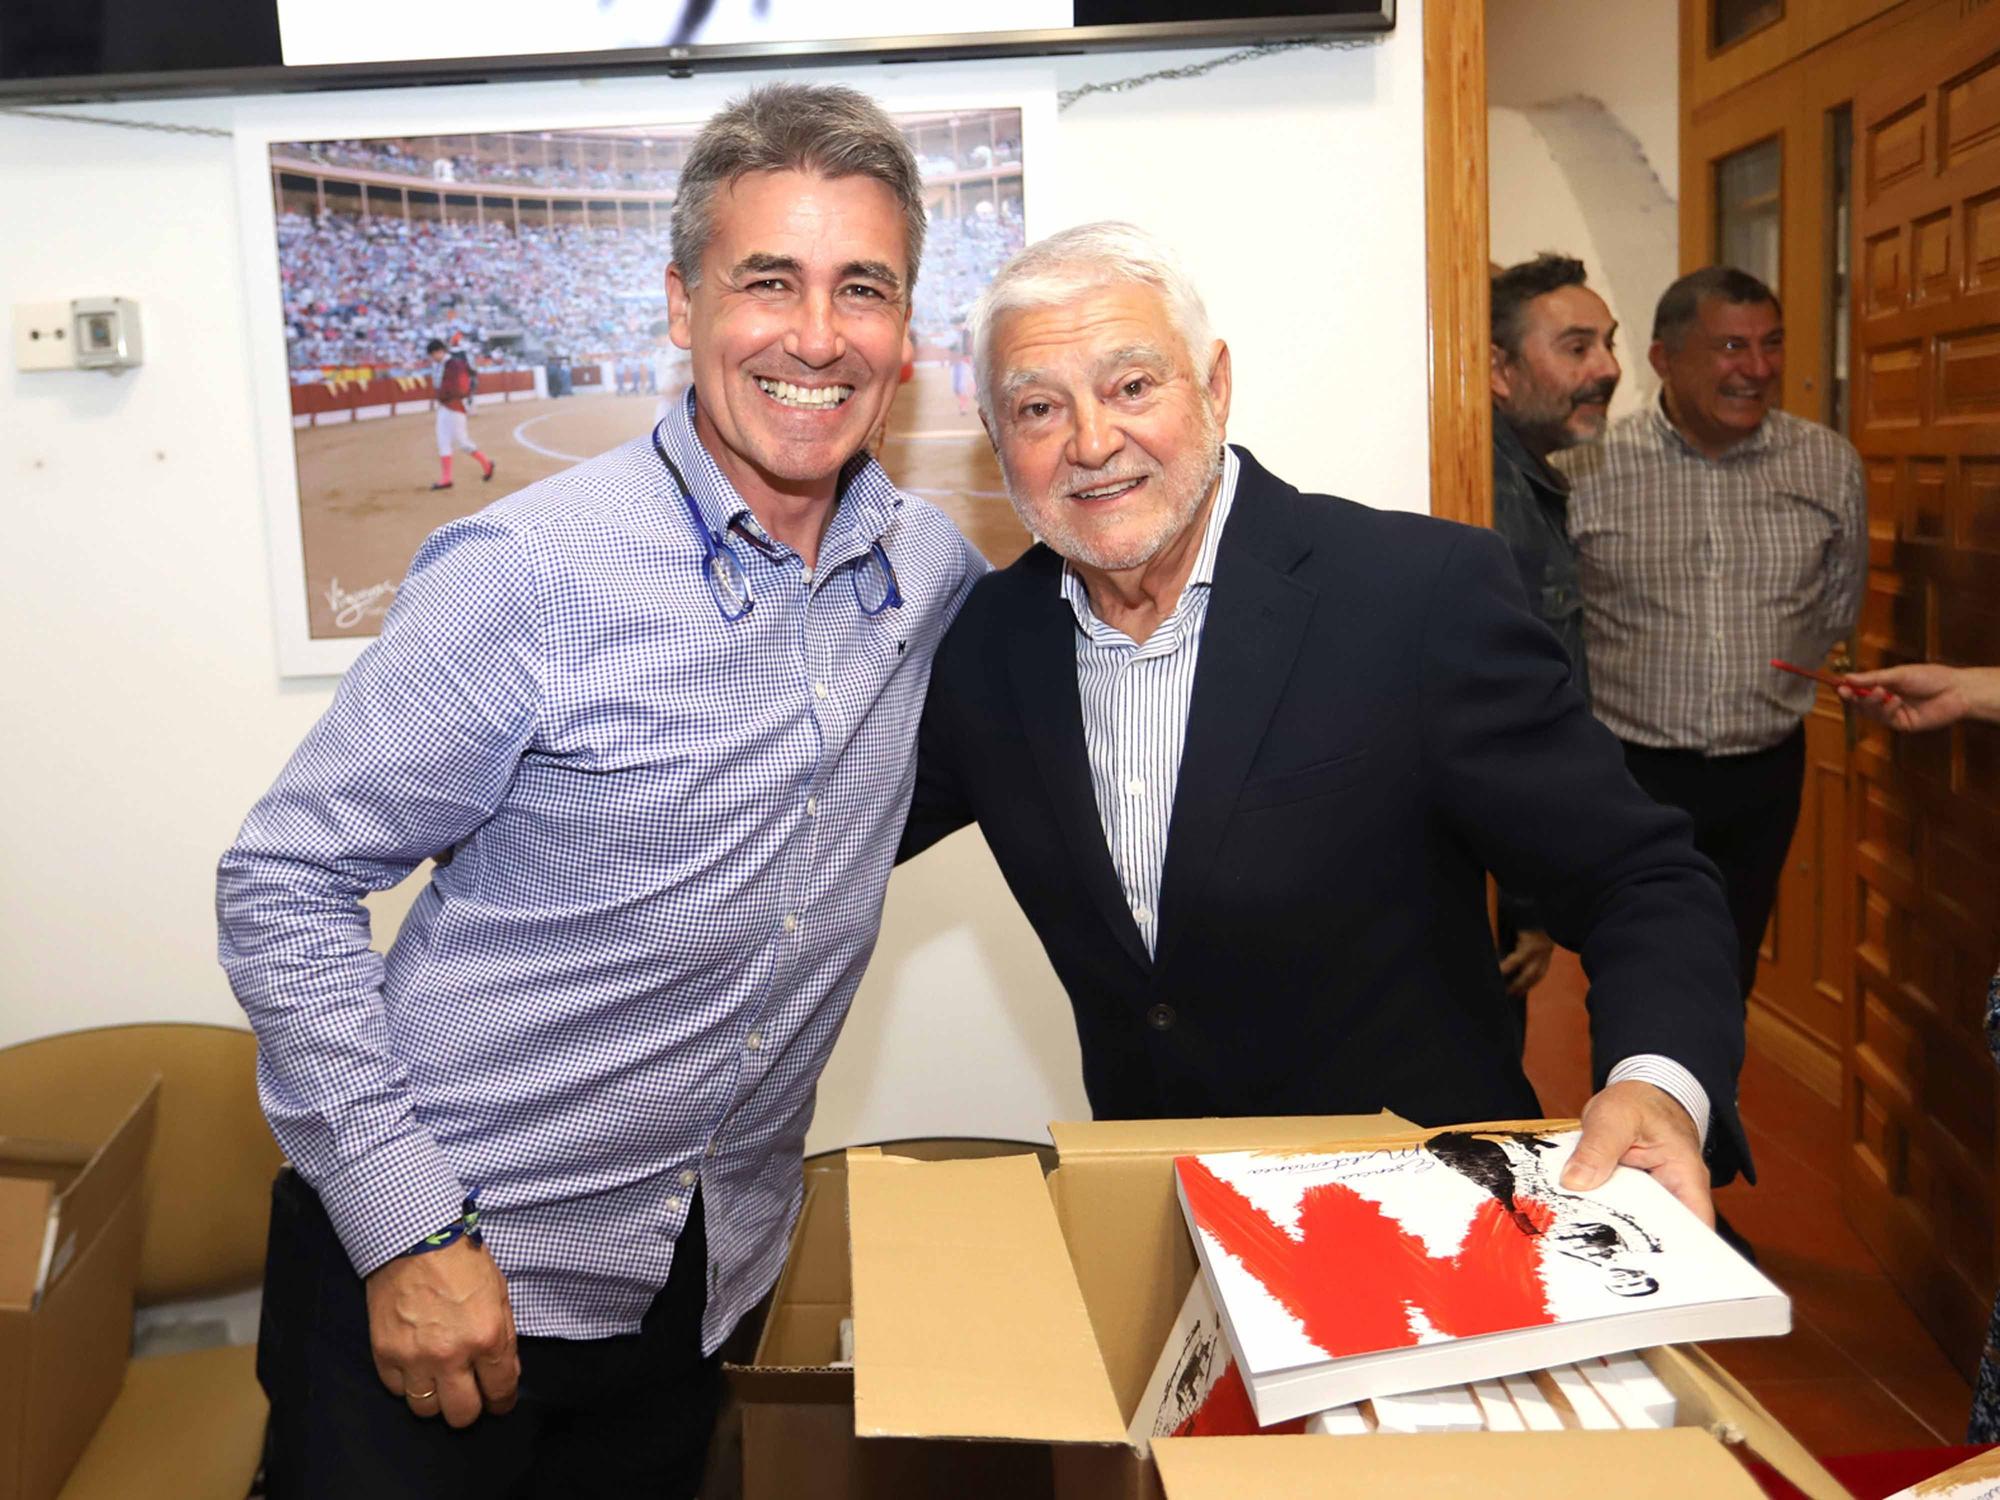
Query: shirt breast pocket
(1316,780)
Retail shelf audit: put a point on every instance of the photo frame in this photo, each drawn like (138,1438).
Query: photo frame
(531,240)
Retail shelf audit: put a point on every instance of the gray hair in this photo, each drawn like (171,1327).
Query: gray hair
(1680,304)
(1061,268)
(823,129)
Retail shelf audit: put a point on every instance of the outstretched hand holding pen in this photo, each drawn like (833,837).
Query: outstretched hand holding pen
(1925,695)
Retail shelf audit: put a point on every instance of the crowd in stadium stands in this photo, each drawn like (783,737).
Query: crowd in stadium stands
(399,158)
(960,257)
(371,293)
(374,292)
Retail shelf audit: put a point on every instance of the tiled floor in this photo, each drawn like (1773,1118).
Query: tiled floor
(1858,1373)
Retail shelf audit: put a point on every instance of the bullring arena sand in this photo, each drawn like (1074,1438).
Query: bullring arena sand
(366,502)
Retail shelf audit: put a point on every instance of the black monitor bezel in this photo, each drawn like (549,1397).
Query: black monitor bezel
(685,61)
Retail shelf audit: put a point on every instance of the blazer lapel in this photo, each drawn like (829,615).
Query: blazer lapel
(1257,617)
(1044,675)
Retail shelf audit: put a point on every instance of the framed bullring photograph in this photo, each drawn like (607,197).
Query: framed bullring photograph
(446,307)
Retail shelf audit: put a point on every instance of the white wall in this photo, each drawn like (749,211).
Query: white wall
(1583,151)
(141,703)
(1623,53)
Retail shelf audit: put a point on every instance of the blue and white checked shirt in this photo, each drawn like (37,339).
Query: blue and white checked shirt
(1135,708)
(671,837)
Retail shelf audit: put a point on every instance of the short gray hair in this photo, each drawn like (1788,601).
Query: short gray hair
(1061,268)
(1680,304)
(822,129)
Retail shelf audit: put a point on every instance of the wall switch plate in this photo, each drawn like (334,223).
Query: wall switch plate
(44,338)
(105,333)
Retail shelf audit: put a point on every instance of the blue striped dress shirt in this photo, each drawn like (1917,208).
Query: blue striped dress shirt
(1135,707)
(670,837)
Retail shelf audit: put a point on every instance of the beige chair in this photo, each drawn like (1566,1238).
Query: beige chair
(185,1426)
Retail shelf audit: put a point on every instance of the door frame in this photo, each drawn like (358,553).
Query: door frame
(1456,269)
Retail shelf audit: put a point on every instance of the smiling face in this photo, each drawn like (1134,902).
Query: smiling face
(795,327)
(1722,377)
(1557,388)
(1110,439)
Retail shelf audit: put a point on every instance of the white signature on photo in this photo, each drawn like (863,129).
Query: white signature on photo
(351,608)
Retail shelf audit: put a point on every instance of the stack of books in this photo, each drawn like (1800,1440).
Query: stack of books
(1437,1287)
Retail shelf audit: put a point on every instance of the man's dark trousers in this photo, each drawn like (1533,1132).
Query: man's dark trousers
(1745,808)
(625,1416)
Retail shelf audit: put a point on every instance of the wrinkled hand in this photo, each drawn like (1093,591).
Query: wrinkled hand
(1924,695)
(1526,966)
(443,1333)
(1635,1124)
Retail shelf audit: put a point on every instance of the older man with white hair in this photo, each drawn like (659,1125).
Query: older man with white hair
(1245,756)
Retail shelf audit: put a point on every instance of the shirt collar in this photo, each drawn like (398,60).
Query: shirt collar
(865,504)
(1667,432)
(1203,575)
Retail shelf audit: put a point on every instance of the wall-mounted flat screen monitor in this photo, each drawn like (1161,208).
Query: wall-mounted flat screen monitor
(97,49)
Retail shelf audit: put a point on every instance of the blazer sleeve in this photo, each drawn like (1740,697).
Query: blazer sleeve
(1537,788)
(939,805)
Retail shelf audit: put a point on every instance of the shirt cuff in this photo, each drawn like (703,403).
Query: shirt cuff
(1665,1073)
(390,1199)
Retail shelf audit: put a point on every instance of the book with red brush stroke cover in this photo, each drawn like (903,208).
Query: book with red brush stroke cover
(1196,1389)
(1344,1275)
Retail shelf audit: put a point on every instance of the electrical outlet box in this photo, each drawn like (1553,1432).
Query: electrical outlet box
(105,333)
(44,338)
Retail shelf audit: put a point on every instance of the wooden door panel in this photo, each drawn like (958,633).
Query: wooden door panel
(1922,1101)
(1798,1006)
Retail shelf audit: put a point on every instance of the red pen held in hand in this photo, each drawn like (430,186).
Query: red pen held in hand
(1829,679)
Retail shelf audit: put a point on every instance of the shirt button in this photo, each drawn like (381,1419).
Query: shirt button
(688,1177)
(1161,1018)
(675,1203)
(819,690)
(754,1041)
(812,807)
(1136,787)
(806,574)
(791,921)
(711,1149)
(1142,914)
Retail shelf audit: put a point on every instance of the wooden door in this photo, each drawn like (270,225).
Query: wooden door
(1798,1015)
(1920,1169)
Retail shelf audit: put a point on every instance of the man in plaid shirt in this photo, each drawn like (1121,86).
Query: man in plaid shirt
(1714,533)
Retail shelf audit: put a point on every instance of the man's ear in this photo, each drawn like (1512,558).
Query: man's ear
(1497,374)
(1656,356)
(679,327)
(992,441)
(1220,384)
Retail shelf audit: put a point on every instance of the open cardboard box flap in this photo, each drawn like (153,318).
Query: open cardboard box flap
(55,1198)
(1667,1465)
(967,1318)
(1079,1140)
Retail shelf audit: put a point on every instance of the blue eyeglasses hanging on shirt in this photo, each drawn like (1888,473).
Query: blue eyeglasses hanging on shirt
(873,579)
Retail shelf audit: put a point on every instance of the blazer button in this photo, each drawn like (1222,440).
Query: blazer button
(1160,1018)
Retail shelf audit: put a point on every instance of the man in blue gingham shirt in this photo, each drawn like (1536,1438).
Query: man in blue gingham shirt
(670,821)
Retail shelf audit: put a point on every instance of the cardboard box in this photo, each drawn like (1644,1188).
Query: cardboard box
(70,1219)
(796,1407)
(992,1305)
